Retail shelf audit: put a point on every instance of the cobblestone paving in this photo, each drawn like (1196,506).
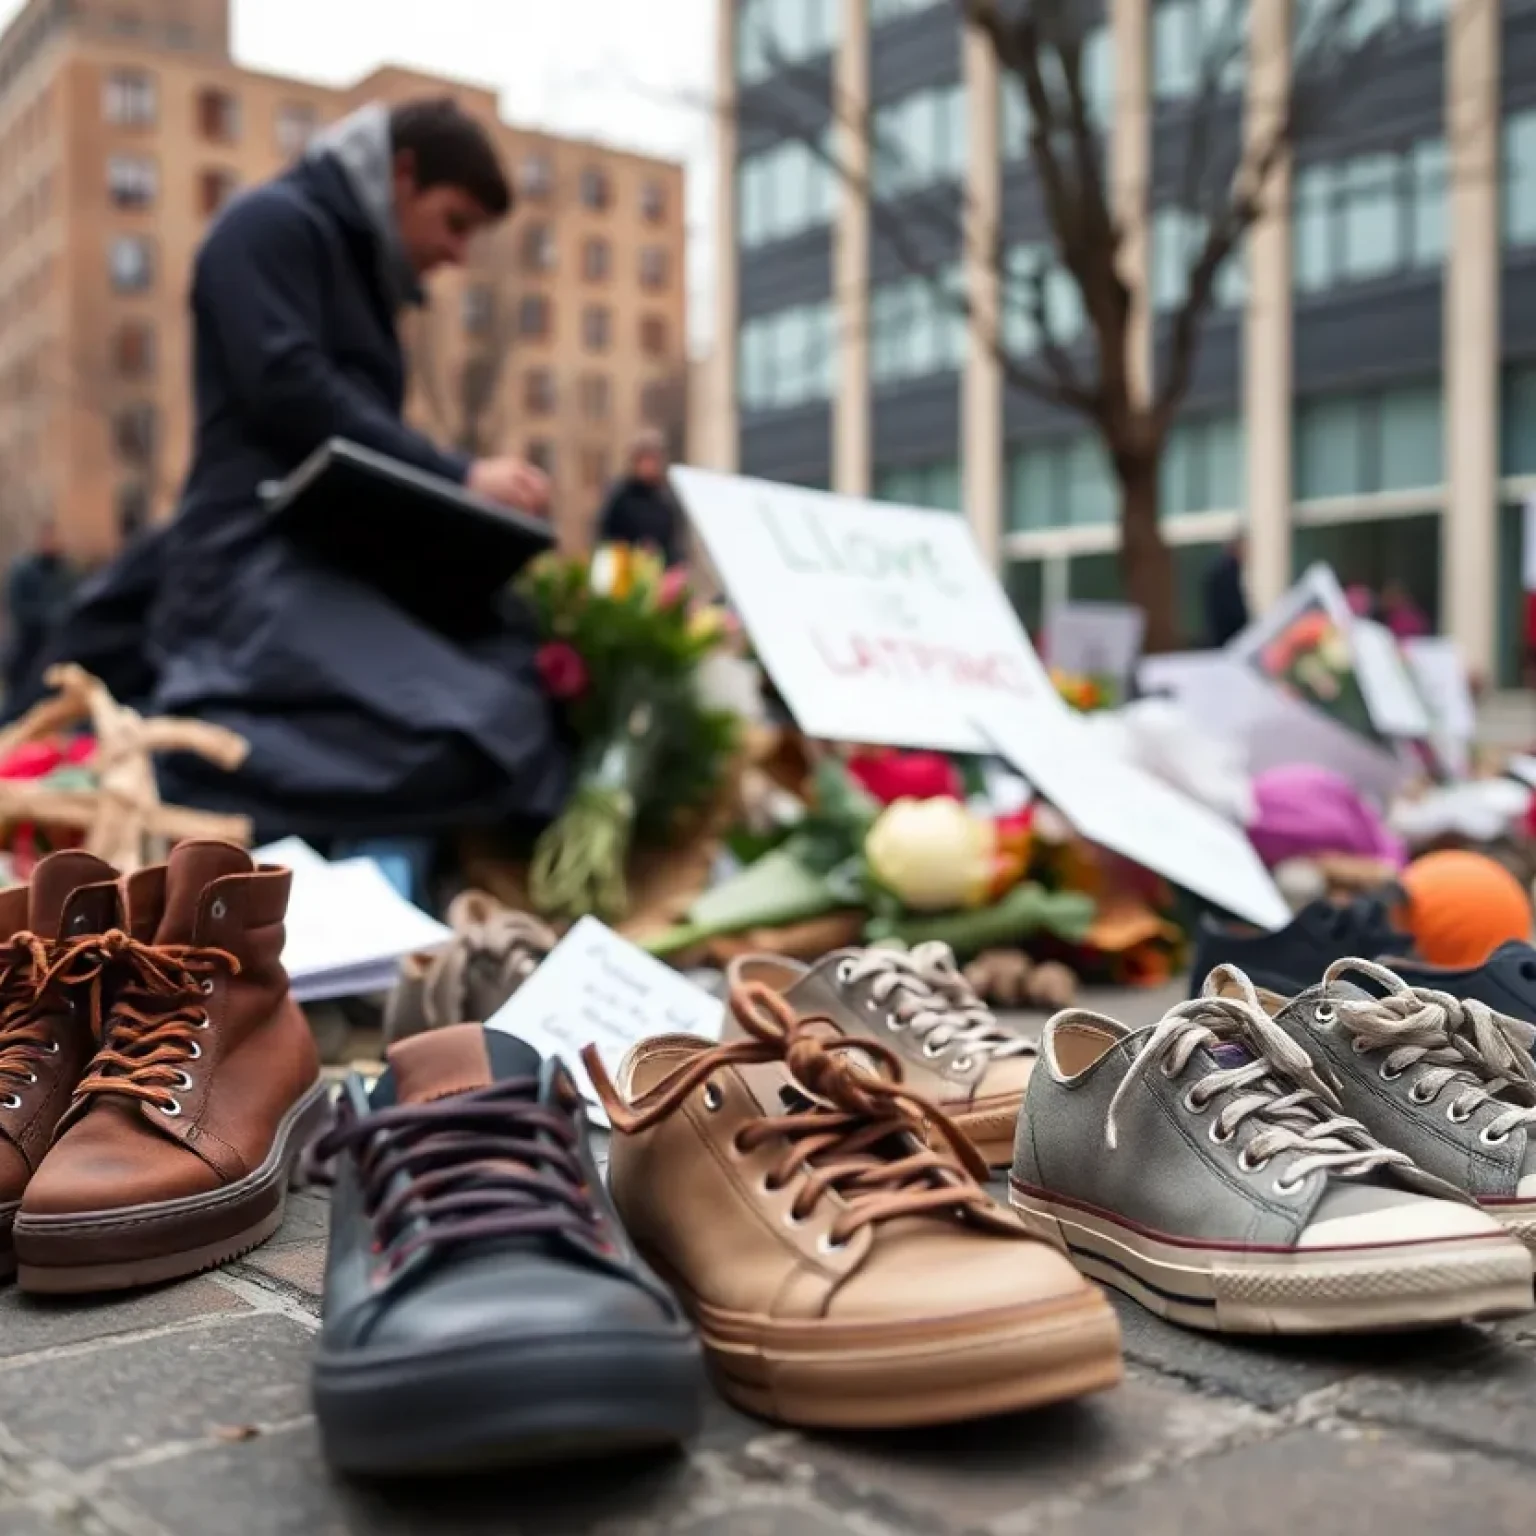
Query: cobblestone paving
(184,1412)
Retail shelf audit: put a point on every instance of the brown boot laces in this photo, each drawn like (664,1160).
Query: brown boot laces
(26,1037)
(840,1144)
(157,1005)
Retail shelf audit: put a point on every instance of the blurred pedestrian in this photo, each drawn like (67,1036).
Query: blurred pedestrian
(37,592)
(640,508)
(1226,604)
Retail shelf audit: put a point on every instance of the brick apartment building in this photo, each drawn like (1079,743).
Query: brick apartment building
(124,127)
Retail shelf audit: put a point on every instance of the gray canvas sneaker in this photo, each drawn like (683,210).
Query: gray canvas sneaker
(1200,1166)
(1444,1079)
(954,1050)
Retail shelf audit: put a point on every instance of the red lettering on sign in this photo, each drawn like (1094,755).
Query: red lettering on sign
(896,659)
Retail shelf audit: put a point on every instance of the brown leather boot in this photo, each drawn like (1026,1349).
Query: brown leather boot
(175,1152)
(45,1027)
(841,1273)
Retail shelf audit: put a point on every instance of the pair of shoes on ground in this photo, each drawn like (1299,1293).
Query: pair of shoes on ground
(157,1081)
(780,1205)
(1356,1155)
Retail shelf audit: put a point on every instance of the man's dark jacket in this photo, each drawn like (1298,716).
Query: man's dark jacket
(361,720)
(1226,605)
(37,592)
(638,512)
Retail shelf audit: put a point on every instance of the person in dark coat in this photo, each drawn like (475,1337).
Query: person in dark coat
(37,592)
(1226,604)
(640,509)
(362,721)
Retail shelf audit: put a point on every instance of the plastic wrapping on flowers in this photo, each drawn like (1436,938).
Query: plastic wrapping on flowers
(623,642)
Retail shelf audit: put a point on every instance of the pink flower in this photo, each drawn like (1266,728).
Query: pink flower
(673,588)
(562,670)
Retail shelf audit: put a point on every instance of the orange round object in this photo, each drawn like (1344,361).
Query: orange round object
(1462,906)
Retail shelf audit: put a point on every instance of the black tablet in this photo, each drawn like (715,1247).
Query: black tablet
(426,542)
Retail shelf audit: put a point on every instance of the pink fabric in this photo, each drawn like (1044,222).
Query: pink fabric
(1304,810)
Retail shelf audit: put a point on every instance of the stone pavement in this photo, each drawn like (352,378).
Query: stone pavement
(184,1412)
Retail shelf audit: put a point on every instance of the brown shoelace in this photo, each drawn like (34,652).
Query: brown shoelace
(840,1144)
(492,1163)
(157,1006)
(25,1038)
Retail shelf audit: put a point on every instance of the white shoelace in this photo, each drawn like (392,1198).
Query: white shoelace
(1459,1042)
(1278,1090)
(925,992)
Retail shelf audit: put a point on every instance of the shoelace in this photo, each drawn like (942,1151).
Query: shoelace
(1459,1042)
(841,1142)
(491,1163)
(927,993)
(513,942)
(25,1039)
(1279,1089)
(157,1007)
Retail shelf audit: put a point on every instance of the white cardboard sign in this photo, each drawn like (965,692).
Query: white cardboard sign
(595,988)
(1095,639)
(1117,805)
(877,623)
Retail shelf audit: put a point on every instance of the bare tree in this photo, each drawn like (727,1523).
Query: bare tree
(1041,48)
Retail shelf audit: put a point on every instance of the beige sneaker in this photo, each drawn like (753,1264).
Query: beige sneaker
(494,951)
(841,1273)
(954,1049)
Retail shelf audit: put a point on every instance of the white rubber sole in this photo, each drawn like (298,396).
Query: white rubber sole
(1334,1290)
(1518,1217)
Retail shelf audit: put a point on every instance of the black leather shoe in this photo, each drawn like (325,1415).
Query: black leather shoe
(1295,958)
(483,1306)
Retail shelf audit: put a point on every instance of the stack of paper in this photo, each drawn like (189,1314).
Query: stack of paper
(348,927)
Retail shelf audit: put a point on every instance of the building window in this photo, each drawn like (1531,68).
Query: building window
(919,140)
(594,468)
(133,349)
(538,392)
(658,404)
(1178,236)
(1360,445)
(596,260)
(889,10)
(1067,482)
(541,454)
(1098,78)
(1520,179)
(533,316)
(134,431)
(128,98)
(214,189)
(595,190)
(926,485)
(1197,44)
(538,246)
(595,396)
(653,335)
(596,328)
(131,263)
(653,266)
(132,181)
(773,33)
(916,328)
(132,510)
(536,179)
(477,307)
(296,124)
(1201,469)
(218,116)
(787,358)
(653,201)
(782,191)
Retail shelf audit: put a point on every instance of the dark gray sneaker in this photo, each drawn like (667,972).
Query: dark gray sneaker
(1200,1166)
(1444,1079)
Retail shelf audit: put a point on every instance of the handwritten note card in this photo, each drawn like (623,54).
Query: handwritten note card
(598,989)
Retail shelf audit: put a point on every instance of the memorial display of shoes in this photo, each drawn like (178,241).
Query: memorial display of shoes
(482,1303)
(842,1273)
(952,1047)
(1202,1166)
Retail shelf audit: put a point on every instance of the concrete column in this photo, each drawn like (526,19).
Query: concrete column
(719,419)
(983,475)
(1130,171)
(1469,531)
(851,455)
(1268,372)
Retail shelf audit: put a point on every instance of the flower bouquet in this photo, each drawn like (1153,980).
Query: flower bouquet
(623,644)
(1311,660)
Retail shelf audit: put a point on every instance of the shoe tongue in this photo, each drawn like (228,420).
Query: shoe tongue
(191,869)
(458,1059)
(55,880)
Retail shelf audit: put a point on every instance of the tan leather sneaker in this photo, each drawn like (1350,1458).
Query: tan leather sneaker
(841,1273)
(175,1152)
(45,1024)
(954,1050)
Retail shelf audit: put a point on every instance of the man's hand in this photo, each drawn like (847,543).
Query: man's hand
(512,482)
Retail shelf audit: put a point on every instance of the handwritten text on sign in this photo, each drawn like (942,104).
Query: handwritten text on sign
(878,623)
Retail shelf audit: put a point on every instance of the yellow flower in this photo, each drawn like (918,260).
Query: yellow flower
(706,623)
(933,855)
(610,573)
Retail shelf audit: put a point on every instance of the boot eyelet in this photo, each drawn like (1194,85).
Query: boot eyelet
(930,1052)
(845,972)
(1168,1069)
(1287,1186)
(31,1079)
(194,1050)
(218,911)
(1250,1164)
(1490,1138)
(824,1244)
(791,1220)
(1358,1046)
(53,1047)
(894,1024)
(1454,1117)
(172,1110)
(200,1023)
(1195,1104)
(205,986)
(185,1083)
(713,1098)
(12,1102)
(1216,1134)
(870,1005)
(963,1064)
(1419,1097)
(1389,1076)
(1325,1015)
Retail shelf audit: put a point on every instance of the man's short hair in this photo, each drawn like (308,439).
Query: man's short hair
(451,148)
(646,443)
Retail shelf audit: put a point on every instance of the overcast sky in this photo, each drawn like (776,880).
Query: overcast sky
(632,72)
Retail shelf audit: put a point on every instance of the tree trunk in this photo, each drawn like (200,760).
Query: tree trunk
(1146,563)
